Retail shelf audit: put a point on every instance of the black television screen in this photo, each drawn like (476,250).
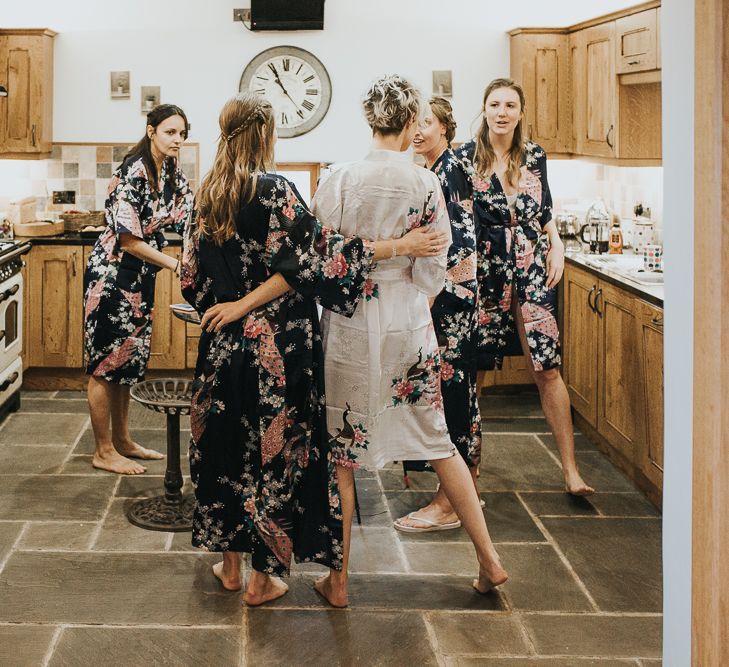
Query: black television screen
(287,14)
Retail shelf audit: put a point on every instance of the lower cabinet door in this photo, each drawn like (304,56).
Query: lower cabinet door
(168,332)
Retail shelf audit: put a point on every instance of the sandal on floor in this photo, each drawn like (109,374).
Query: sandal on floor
(429,528)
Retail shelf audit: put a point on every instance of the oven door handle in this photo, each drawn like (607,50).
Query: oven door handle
(9,292)
(8,381)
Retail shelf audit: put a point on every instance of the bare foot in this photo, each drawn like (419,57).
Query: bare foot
(333,594)
(230,583)
(136,451)
(115,462)
(489,578)
(273,588)
(576,486)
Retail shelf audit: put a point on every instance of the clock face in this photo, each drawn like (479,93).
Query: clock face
(295,83)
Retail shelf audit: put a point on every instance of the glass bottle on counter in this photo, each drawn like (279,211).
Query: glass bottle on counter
(616,237)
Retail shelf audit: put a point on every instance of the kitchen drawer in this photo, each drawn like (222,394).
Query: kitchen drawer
(636,42)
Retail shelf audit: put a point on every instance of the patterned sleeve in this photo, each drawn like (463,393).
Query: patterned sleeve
(182,205)
(196,287)
(460,280)
(130,197)
(429,272)
(315,260)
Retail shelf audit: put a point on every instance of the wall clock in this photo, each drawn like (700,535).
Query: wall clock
(295,82)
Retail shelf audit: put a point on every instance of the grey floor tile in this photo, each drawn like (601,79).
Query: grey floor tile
(517,462)
(188,647)
(456,558)
(506,518)
(373,508)
(147,486)
(70,394)
(558,504)
(37,429)
(9,531)
(34,393)
(183,542)
(124,588)
(375,550)
(24,645)
(521,405)
(514,425)
(539,580)
(582,443)
(336,637)
(51,405)
(623,504)
(58,536)
(26,459)
(54,497)
(599,473)
(117,534)
(619,560)
(594,635)
(482,661)
(141,417)
(392,480)
(488,634)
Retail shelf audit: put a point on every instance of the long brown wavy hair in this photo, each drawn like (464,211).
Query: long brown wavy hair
(441,108)
(485,157)
(245,149)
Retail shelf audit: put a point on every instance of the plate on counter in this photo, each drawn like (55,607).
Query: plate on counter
(185,312)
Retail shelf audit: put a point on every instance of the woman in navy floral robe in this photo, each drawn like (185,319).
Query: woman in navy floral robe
(520,259)
(148,194)
(261,466)
(454,311)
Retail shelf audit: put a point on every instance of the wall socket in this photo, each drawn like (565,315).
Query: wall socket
(64,196)
(242,15)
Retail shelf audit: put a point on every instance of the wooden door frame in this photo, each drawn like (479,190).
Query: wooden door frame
(710,565)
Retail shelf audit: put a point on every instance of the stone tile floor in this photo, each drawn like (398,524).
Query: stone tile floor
(80,586)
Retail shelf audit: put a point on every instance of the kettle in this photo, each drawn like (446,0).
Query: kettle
(597,225)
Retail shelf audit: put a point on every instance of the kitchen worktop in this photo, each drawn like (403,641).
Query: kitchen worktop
(624,271)
(75,238)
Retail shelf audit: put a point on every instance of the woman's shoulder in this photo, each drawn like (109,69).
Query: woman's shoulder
(465,151)
(533,153)
(132,168)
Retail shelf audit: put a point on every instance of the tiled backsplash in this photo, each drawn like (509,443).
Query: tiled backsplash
(86,169)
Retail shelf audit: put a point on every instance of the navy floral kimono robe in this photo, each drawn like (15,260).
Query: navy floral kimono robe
(512,260)
(261,467)
(118,287)
(455,316)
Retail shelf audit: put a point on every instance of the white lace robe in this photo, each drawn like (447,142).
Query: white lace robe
(382,366)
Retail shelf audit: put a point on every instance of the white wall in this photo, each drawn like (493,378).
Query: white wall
(677,34)
(196,53)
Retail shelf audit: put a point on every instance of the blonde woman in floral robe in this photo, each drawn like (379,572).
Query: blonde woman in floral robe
(382,366)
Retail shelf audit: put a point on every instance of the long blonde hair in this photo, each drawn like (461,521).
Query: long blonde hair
(245,148)
(485,156)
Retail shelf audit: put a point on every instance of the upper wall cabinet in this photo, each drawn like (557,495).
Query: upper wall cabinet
(26,73)
(594,89)
(636,39)
(541,62)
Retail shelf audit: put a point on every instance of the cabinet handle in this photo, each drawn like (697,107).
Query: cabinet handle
(657,321)
(32,134)
(73,264)
(589,299)
(607,137)
(8,381)
(597,296)
(633,62)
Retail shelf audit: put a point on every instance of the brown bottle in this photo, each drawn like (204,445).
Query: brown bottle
(615,246)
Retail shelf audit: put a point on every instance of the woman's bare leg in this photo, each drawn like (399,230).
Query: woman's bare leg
(120,436)
(456,481)
(263,588)
(333,586)
(438,510)
(102,398)
(228,571)
(555,402)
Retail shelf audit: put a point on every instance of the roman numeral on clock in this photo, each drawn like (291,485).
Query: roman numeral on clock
(284,118)
(300,113)
(260,91)
(307,105)
(309,78)
(286,64)
(312,91)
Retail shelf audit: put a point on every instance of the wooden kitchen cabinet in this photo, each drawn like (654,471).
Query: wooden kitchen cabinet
(636,42)
(55,302)
(595,91)
(650,342)
(26,113)
(541,63)
(580,336)
(168,344)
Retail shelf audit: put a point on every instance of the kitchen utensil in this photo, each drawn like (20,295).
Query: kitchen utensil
(40,228)
(643,234)
(652,257)
(597,221)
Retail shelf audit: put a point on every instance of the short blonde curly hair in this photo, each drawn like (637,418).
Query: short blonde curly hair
(390,103)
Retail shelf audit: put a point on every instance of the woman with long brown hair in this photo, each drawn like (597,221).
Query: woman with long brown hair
(148,194)
(521,259)
(260,461)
